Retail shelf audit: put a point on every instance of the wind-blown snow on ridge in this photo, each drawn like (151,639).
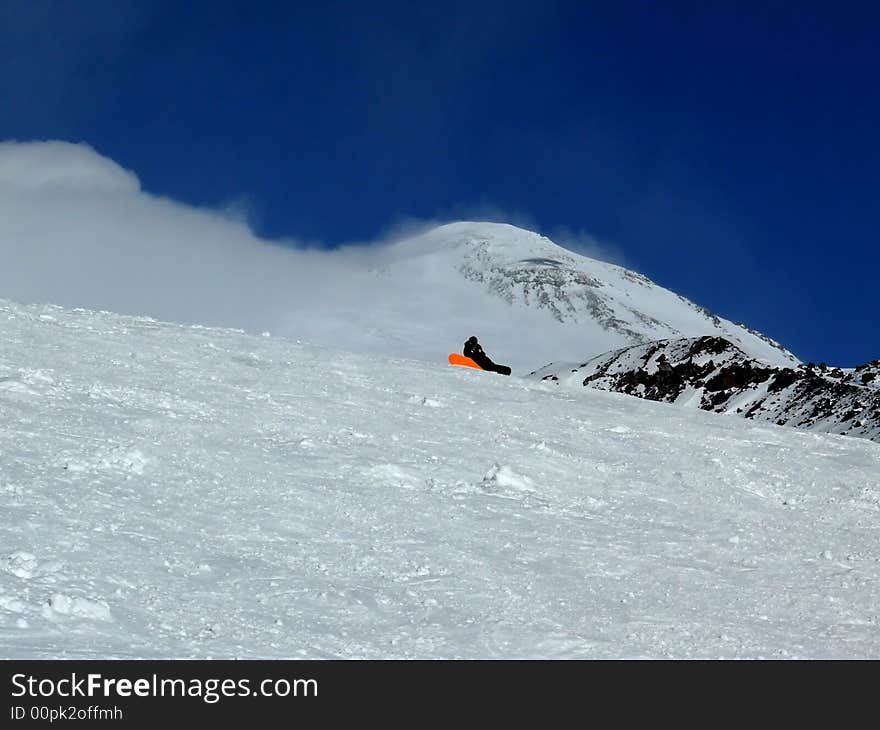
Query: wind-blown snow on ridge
(174,491)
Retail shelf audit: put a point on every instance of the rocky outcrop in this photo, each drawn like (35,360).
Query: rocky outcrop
(714,374)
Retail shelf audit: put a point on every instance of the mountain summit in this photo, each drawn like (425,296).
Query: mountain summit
(524,296)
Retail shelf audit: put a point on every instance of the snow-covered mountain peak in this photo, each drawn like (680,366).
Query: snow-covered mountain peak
(528,295)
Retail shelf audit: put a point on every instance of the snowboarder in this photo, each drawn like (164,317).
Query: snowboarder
(473,350)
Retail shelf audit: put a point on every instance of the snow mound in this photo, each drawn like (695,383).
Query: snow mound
(504,477)
(60,605)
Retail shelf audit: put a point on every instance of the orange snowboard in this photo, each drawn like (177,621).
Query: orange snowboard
(456,359)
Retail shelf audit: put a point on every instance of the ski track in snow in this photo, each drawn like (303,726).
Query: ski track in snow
(175,491)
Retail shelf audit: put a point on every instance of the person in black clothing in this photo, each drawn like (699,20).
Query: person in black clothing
(473,350)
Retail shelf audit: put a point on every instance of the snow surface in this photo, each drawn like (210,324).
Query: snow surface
(173,491)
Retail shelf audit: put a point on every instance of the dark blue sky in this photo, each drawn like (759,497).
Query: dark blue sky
(729,150)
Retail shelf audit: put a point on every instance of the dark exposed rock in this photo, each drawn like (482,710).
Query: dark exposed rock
(738,375)
(709,346)
(723,378)
(782,380)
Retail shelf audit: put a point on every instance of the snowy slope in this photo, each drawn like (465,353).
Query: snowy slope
(713,374)
(527,299)
(174,491)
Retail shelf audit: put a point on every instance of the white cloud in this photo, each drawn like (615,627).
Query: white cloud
(32,166)
(77,230)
